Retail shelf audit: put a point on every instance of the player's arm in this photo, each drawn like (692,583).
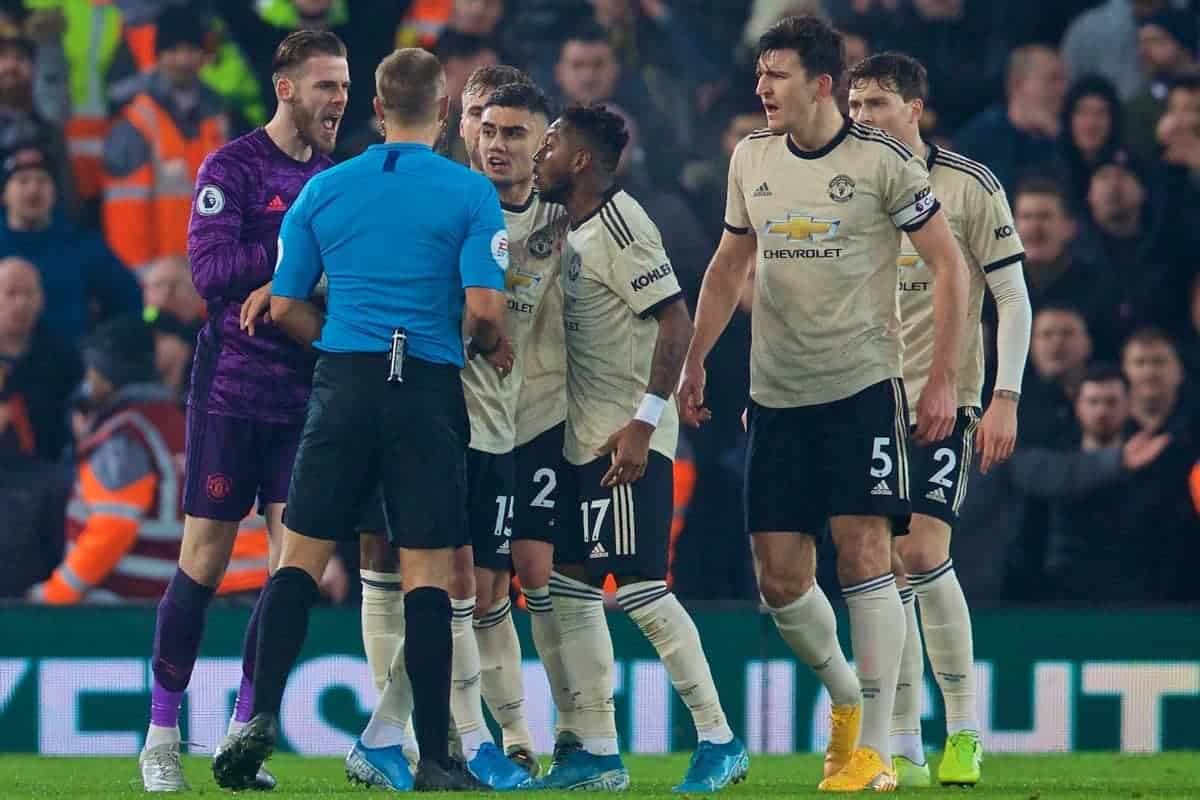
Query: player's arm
(483,261)
(297,270)
(118,485)
(224,267)
(723,285)
(996,247)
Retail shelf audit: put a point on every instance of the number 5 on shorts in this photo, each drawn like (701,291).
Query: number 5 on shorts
(879,456)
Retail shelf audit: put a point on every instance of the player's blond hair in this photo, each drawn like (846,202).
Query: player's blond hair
(409,83)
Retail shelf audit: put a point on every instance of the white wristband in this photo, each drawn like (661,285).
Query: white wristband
(651,409)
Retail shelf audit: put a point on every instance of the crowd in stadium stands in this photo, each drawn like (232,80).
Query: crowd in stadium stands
(1088,112)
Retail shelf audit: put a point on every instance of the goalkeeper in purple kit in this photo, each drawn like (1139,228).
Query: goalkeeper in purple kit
(250,387)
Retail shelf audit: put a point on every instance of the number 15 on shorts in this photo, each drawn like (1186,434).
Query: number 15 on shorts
(504,515)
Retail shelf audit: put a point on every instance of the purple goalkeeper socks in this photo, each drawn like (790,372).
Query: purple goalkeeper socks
(244,709)
(177,633)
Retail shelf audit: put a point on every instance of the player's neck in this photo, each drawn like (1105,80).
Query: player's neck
(912,138)
(589,194)
(825,127)
(283,133)
(516,194)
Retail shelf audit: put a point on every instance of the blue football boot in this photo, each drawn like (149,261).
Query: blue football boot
(715,766)
(491,767)
(385,767)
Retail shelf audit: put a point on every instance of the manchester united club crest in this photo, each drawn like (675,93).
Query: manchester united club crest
(575,268)
(541,243)
(841,189)
(218,486)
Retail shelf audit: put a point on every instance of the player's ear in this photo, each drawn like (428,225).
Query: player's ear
(443,108)
(824,85)
(284,88)
(581,160)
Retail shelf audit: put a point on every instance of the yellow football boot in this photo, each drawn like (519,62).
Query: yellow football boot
(845,724)
(865,772)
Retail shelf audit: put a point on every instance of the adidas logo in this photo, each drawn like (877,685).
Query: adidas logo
(763,190)
(277,204)
(881,488)
(504,549)
(937,495)
(598,551)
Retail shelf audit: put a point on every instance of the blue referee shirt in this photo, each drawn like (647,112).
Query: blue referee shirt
(400,232)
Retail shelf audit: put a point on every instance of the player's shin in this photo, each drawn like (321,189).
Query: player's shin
(809,627)
(466,704)
(500,663)
(946,623)
(672,633)
(877,635)
(288,598)
(547,639)
(587,655)
(177,632)
(243,707)
(382,621)
(906,715)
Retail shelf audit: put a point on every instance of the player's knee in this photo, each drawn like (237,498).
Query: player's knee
(926,547)
(781,586)
(206,547)
(376,554)
(863,553)
(462,574)
(532,562)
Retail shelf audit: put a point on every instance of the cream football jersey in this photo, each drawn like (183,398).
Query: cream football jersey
(977,210)
(825,322)
(535,242)
(617,275)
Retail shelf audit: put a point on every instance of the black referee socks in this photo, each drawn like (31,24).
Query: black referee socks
(427,651)
(282,626)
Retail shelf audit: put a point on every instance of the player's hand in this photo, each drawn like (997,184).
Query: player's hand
(335,581)
(1142,449)
(997,434)
(936,411)
(690,395)
(503,357)
(256,308)
(630,448)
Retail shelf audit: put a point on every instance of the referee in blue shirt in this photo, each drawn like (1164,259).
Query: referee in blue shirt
(406,239)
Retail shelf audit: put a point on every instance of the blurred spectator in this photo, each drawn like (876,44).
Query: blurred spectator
(33,495)
(1058,356)
(1178,134)
(167,285)
(22,120)
(1104,42)
(1092,521)
(1155,373)
(707,181)
(1190,349)
(1166,50)
(174,350)
(37,371)
(168,124)
(76,267)
(588,72)
(1090,131)
(1054,274)
(961,47)
(1020,136)
(123,522)
(368,28)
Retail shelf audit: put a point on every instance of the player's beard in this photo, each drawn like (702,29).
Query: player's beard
(308,128)
(557,193)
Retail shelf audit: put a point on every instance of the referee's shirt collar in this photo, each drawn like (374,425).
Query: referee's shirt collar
(400,146)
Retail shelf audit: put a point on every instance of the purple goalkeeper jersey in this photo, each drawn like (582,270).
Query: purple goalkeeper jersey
(242,192)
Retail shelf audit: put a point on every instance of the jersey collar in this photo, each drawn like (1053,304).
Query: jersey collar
(521,209)
(933,151)
(604,198)
(823,151)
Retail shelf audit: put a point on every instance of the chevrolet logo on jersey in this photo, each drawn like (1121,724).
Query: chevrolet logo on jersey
(911,261)
(519,279)
(908,261)
(804,228)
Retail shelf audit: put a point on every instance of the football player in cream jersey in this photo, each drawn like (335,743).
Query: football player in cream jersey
(818,203)
(888,90)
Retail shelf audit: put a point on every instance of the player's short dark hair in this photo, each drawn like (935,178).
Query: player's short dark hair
(299,46)
(603,130)
(452,44)
(1061,307)
(1186,82)
(1040,184)
(818,44)
(1103,372)
(894,72)
(587,32)
(1150,335)
(491,77)
(409,83)
(520,95)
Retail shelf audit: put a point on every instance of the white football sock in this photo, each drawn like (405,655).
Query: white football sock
(466,705)
(500,662)
(672,633)
(391,722)
(382,621)
(543,624)
(946,622)
(809,627)
(906,716)
(159,734)
(587,655)
(877,634)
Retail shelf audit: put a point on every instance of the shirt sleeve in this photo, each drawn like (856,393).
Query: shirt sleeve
(991,233)
(298,262)
(642,274)
(907,193)
(483,259)
(224,267)
(737,218)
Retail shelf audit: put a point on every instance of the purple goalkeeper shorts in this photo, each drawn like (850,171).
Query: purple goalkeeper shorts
(231,461)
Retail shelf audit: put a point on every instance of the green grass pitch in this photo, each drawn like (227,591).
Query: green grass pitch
(1092,775)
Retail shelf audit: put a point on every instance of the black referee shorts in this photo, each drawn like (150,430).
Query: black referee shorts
(409,439)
